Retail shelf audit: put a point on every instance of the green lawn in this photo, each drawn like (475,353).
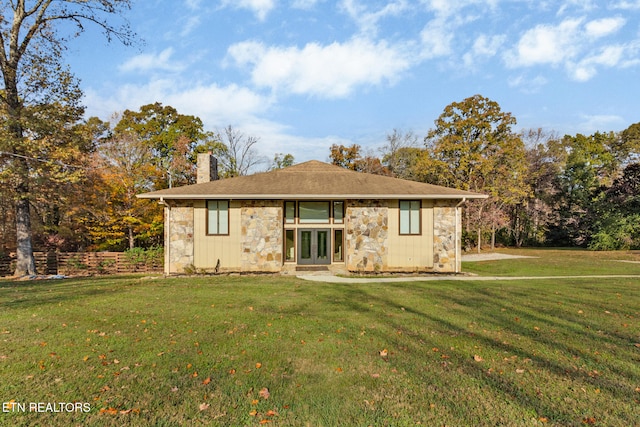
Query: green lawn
(204,351)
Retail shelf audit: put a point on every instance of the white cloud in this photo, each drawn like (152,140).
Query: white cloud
(586,69)
(193,4)
(215,105)
(326,71)
(260,8)
(483,47)
(573,44)
(366,18)
(304,4)
(627,5)
(603,27)
(546,44)
(152,62)
(599,123)
(528,85)
(437,39)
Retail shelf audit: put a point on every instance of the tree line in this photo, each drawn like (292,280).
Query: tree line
(87,200)
(69,183)
(545,190)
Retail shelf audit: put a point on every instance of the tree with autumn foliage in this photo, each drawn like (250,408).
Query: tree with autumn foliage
(170,138)
(354,159)
(473,148)
(33,36)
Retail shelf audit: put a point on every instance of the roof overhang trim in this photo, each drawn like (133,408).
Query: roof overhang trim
(316,196)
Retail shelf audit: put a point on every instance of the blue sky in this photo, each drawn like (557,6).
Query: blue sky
(304,74)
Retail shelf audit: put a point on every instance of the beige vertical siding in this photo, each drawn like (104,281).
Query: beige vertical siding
(410,252)
(209,249)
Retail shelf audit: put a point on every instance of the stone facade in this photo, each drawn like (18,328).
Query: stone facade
(367,231)
(446,253)
(179,234)
(261,235)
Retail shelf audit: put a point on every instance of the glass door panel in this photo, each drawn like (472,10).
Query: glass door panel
(314,246)
(322,254)
(305,246)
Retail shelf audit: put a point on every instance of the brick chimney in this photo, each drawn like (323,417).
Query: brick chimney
(207,166)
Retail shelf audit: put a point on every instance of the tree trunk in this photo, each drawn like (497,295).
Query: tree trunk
(25,262)
(131,238)
(479,239)
(493,237)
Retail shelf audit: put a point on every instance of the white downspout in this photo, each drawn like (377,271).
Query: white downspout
(459,241)
(167,237)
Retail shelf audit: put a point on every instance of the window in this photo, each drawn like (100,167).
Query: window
(338,240)
(313,212)
(338,212)
(290,212)
(409,217)
(217,217)
(289,245)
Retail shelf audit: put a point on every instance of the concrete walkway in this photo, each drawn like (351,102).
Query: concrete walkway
(327,278)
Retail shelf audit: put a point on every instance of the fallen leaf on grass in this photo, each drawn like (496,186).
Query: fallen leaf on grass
(109,411)
(588,420)
(264,393)
(206,381)
(204,406)
(384,353)
(258,365)
(477,358)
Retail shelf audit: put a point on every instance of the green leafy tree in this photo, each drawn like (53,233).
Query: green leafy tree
(33,40)
(592,163)
(618,213)
(170,137)
(281,161)
(473,147)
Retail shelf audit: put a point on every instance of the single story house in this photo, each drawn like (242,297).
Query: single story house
(312,214)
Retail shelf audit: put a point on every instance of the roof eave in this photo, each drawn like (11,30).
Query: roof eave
(311,196)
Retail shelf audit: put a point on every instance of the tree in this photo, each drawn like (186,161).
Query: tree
(401,153)
(33,75)
(236,152)
(170,137)
(618,213)
(545,158)
(353,159)
(281,161)
(126,169)
(472,147)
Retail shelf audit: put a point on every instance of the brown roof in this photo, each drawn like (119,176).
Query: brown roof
(311,180)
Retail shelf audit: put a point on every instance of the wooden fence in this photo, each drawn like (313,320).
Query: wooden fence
(82,263)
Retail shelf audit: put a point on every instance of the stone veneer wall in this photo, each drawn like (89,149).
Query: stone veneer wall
(446,253)
(262,235)
(178,237)
(366,235)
